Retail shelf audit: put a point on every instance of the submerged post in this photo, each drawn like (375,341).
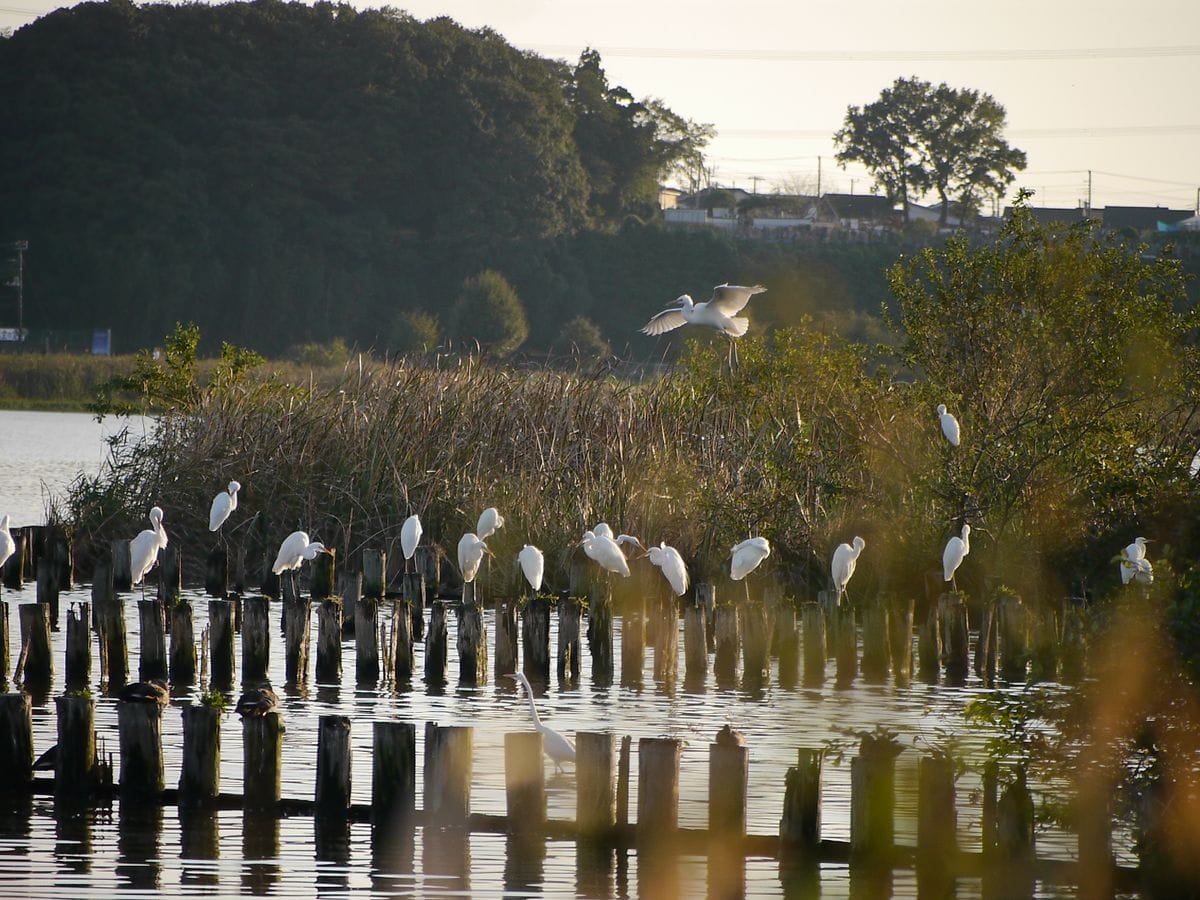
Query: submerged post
(412,591)
(813,621)
(506,638)
(366,645)
(929,646)
(847,646)
(200,772)
(937,820)
(110,624)
(568,637)
(658,791)
(256,639)
(472,640)
(393,773)
(756,641)
(595,769)
(787,636)
(152,652)
(16,742)
(79,646)
(221,644)
(262,760)
(633,639)
(600,632)
(183,643)
(333,766)
(122,577)
(872,800)
(800,827)
(695,646)
(876,655)
(139,724)
(216,573)
(952,619)
(666,637)
(75,764)
(400,644)
(329,641)
(297,631)
(535,637)
(524,782)
(728,777)
(448,773)
(900,629)
(435,644)
(35,637)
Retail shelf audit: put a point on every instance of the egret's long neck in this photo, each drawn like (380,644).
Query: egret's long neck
(532,708)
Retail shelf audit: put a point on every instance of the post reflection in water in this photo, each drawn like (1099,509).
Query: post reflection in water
(331,836)
(593,869)
(726,869)
(199,839)
(658,874)
(393,857)
(260,852)
(446,858)
(16,817)
(800,877)
(73,835)
(139,828)
(524,863)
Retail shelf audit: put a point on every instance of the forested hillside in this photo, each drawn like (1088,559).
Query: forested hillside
(281,173)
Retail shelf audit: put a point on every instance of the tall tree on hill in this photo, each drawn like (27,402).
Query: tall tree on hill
(918,138)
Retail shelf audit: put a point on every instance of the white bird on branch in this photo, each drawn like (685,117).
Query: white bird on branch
(949,425)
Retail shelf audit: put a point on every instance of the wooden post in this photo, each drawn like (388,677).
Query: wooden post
(1043,656)
(872,801)
(991,780)
(170,576)
(14,566)
(393,773)
(929,646)
(262,760)
(800,827)
(401,642)
(222,663)
(728,777)
(658,791)
(524,782)
(847,647)
(623,781)
(152,651)
(828,601)
(952,620)
(937,816)
(787,635)
(595,768)
(333,765)
(447,773)
(256,639)
(413,591)
(47,589)
(1074,639)
(35,638)
(985,627)
(1014,637)
(200,771)
(1094,831)
(435,644)
(876,655)
(472,640)
(633,640)
(600,633)
(75,765)
(756,640)
(183,643)
(507,638)
(16,742)
(666,637)
(695,647)
(535,638)
(110,625)
(329,640)
(122,576)
(568,637)
(297,615)
(140,730)
(366,645)
(900,630)
(323,576)
(813,619)
(349,589)
(216,573)
(79,647)
(1015,844)
(5,661)
(374,574)
(429,566)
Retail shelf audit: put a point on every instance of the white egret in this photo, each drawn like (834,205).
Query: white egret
(1194,468)
(747,556)
(668,559)
(606,552)
(628,540)
(602,529)
(533,566)
(223,504)
(410,536)
(554,745)
(489,520)
(7,545)
(1129,559)
(1143,572)
(143,549)
(720,312)
(949,425)
(295,549)
(956,550)
(841,567)
(471,549)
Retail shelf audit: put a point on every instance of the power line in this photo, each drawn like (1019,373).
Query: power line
(1073,131)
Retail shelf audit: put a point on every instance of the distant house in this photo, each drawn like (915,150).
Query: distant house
(858,210)
(1047,214)
(1142,218)
(668,197)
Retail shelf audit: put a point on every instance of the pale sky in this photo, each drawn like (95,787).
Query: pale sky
(1094,85)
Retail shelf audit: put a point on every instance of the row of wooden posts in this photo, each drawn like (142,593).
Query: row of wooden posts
(602,775)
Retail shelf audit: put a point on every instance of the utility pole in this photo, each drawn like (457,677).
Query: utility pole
(21,247)
(1089,200)
(818,178)
(754,179)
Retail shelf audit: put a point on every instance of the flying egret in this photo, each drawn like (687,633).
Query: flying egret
(554,745)
(747,556)
(7,545)
(956,550)
(949,425)
(489,520)
(668,559)
(841,567)
(720,312)
(533,566)
(143,549)
(295,549)
(410,536)
(606,552)
(471,549)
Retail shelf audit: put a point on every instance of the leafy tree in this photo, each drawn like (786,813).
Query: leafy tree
(489,311)
(918,138)
(413,331)
(581,336)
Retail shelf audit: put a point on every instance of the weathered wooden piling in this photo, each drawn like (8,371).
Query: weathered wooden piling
(447,773)
(728,777)
(393,774)
(989,790)
(1043,650)
(329,640)
(428,564)
(139,727)
(876,653)
(221,644)
(929,646)
(695,647)
(937,815)
(666,637)
(756,641)
(568,637)
(952,623)
(1013,630)
(595,769)
(374,574)
(847,646)
(122,577)
(14,567)
(110,626)
(828,601)
(413,588)
(400,643)
(800,826)
(323,576)
(333,766)
(472,640)
(813,621)
(5,661)
(872,800)
(1074,639)
(200,770)
(658,791)
(297,616)
(79,646)
(436,643)
(35,641)
(600,632)
(787,640)
(216,573)
(152,646)
(256,639)
(535,637)
(366,644)
(262,760)
(524,782)
(1094,830)
(633,639)
(16,742)
(507,638)
(349,589)
(1013,873)
(623,759)
(183,643)
(900,631)
(75,773)
(170,576)
(47,589)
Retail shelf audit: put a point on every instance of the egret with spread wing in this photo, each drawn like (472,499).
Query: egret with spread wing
(720,312)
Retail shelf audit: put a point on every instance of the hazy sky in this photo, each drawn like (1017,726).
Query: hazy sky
(1088,84)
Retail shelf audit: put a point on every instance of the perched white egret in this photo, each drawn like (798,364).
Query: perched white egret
(841,567)
(668,559)
(606,553)
(295,549)
(720,312)
(1129,559)
(949,425)
(7,545)
(628,540)
(1143,572)
(471,549)
(747,556)
(489,520)
(554,745)
(533,566)
(1194,468)
(410,536)
(602,529)
(956,550)
(223,504)
(143,549)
